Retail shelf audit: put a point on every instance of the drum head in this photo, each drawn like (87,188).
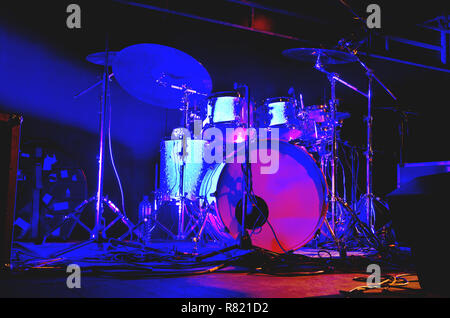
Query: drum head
(295,196)
(225,107)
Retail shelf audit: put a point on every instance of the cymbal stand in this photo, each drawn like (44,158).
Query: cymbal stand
(98,232)
(333,78)
(181,234)
(184,204)
(369,196)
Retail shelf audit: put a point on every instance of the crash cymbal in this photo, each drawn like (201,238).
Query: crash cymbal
(99,58)
(326,56)
(151,72)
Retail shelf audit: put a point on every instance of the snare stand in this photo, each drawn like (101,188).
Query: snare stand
(184,230)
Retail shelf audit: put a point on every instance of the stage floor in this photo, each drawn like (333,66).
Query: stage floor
(228,282)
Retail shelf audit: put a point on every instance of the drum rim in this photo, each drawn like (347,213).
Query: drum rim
(219,94)
(271,100)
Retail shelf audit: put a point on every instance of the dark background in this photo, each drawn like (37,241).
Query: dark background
(43,66)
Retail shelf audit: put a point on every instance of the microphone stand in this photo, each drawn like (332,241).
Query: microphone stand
(243,241)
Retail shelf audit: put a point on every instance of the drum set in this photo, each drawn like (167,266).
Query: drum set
(232,199)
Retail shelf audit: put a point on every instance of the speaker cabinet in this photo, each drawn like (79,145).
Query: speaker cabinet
(421,218)
(9,154)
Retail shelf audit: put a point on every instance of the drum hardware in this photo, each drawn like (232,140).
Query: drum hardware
(301,101)
(333,78)
(369,196)
(181,200)
(179,152)
(166,77)
(246,202)
(352,49)
(331,57)
(327,56)
(367,229)
(100,58)
(98,232)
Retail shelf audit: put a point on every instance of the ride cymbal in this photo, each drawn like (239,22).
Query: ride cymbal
(326,56)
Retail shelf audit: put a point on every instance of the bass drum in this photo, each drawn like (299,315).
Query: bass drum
(292,200)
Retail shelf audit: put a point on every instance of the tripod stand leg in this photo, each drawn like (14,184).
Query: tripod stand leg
(370,236)
(200,232)
(224,250)
(78,210)
(72,248)
(338,243)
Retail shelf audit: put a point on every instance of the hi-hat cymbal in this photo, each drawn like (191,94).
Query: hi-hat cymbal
(150,72)
(326,56)
(100,57)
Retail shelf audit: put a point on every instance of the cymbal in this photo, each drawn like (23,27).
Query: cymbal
(99,58)
(326,56)
(150,72)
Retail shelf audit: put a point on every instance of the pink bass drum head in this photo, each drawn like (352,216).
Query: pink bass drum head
(291,197)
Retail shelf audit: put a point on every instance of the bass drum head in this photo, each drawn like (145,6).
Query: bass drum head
(295,195)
